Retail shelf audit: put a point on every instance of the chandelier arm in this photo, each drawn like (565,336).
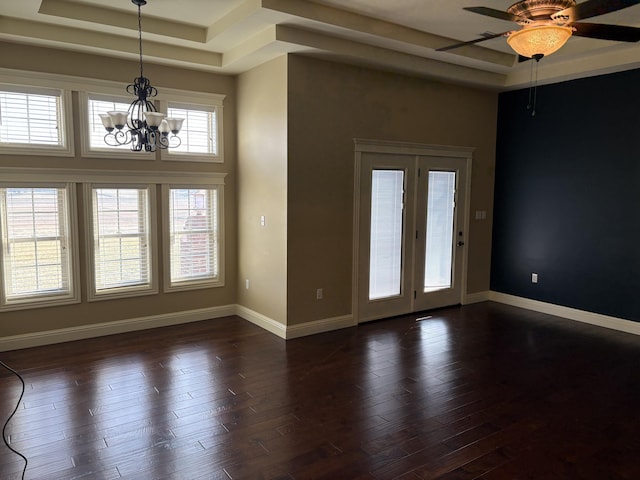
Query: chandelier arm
(160,141)
(118,138)
(110,140)
(122,137)
(136,119)
(149,106)
(178,141)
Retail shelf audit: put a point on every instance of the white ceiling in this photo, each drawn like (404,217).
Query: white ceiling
(231,36)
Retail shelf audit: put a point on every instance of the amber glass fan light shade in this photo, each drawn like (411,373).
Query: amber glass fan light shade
(541,40)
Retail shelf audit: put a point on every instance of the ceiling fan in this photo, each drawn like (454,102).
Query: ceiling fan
(546,25)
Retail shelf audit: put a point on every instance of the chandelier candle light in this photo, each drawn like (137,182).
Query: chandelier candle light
(146,128)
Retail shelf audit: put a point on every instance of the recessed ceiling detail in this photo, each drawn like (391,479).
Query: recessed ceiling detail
(231,36)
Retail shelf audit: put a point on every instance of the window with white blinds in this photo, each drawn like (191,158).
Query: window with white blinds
(387,227)
(199,134)
(31,116)
(97,105)
(122,246)
(194,237)
(37,245)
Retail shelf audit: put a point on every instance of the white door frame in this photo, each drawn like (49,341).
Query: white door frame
(410,149)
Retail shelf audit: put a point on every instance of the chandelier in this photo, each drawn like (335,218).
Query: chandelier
(142,126)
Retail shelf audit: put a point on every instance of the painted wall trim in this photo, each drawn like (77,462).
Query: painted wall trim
(49,337)
(262,321)
(67,175)
(600,320)
(477,297)
(409,148)
(320,326)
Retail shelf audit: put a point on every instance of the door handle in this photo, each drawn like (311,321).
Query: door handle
(460,243)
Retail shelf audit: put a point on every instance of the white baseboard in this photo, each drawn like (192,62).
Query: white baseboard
(110,328)
(294,331)
(320,326)
(567,312)
(477,297)
(262,321)
(61,335)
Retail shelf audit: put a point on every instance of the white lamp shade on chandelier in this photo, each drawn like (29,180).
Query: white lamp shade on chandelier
(539,40)
(155,120)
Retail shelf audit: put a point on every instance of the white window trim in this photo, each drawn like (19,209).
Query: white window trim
(120,292)
(66,122)
(166,239)
(74,272)
(118,177)
(216,102)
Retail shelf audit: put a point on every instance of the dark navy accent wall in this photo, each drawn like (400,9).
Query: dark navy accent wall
(567,195)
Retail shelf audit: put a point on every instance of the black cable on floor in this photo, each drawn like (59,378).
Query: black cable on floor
(4,435)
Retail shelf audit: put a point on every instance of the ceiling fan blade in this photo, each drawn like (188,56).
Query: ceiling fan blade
(592,8)
(618,33)
(470,42)
(492,12)
(522,58)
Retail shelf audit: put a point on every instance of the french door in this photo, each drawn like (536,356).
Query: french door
(411,215)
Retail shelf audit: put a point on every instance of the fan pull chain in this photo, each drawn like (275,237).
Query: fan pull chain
(533,85)
(530,86)
(535,91)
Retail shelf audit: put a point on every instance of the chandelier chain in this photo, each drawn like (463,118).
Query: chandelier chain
(140,38)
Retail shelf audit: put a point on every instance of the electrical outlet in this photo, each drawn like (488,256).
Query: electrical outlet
(534,278)
(319,294)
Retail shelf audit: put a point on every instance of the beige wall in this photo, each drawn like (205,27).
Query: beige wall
(330,104)
(262,189)
(293,121)
(85,314)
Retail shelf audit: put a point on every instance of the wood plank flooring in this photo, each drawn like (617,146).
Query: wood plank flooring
(484,391)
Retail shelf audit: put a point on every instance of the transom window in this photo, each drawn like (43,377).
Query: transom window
(200,131)
(37,245)
(32,118)
(121,242)
(194,237)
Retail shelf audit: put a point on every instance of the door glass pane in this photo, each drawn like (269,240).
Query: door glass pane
(385,264)
(439,238)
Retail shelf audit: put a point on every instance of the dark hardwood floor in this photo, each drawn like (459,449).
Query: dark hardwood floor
(484,391)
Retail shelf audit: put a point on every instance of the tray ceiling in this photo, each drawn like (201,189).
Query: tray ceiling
(232,36)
